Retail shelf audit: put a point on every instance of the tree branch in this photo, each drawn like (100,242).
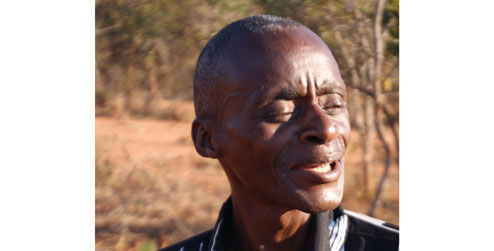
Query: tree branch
(379,56)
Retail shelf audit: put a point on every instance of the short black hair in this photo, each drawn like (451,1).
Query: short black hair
(210,65)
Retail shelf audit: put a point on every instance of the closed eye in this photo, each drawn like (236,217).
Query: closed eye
(279,117)
(334,109)
(279,111)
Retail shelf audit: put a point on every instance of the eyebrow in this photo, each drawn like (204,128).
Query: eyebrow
(288,94)
(328,87)
(325,88)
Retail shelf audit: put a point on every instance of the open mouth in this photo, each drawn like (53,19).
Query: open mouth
(319,172)
(320,168)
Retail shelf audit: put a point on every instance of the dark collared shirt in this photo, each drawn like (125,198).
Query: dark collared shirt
(337,230)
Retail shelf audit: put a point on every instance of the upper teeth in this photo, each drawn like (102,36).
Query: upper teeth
(324,168)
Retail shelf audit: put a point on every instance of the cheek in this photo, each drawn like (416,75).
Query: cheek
(265,132)
(343,123)
(247,142)
(249,153)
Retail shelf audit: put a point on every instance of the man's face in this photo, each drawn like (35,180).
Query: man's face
(284,126)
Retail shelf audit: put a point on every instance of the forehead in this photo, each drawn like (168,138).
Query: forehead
(284,60)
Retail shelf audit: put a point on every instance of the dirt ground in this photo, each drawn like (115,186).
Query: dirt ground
(153,189)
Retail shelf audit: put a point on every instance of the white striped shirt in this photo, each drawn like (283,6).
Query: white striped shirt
(328,231)
(337,234)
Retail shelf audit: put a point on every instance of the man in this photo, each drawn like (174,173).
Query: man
(271,107)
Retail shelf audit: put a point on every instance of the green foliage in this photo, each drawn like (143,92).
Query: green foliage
(148,246)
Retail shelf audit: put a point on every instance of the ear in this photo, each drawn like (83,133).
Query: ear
(203,141)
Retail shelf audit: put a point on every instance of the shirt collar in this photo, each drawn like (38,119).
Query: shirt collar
(327,229)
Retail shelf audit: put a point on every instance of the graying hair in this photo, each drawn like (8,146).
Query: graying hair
(210,65)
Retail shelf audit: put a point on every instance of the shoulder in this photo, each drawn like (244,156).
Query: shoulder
(198,242)
(367,233)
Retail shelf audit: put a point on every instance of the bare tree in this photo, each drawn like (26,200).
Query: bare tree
(362,45)
(379,56)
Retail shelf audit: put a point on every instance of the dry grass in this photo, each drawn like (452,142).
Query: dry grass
(152,189)
(158,108)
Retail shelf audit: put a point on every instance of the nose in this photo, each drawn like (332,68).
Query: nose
(319,127)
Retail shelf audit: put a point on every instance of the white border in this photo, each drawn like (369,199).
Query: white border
(446,101)
(47,125)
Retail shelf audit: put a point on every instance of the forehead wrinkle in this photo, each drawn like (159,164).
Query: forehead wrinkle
(318,65)
(310,83)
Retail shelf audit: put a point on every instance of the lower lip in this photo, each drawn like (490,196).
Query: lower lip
(313,174)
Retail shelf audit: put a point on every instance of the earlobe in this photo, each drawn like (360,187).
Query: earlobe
(203,141)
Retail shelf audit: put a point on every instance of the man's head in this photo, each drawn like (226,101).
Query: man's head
(271,106)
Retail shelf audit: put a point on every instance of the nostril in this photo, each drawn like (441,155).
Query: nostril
(314,139)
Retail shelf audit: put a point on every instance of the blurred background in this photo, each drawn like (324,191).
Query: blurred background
(152,188)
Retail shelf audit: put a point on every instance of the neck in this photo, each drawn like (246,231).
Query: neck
(258,225)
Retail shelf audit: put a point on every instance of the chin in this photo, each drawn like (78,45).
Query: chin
(320,201)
